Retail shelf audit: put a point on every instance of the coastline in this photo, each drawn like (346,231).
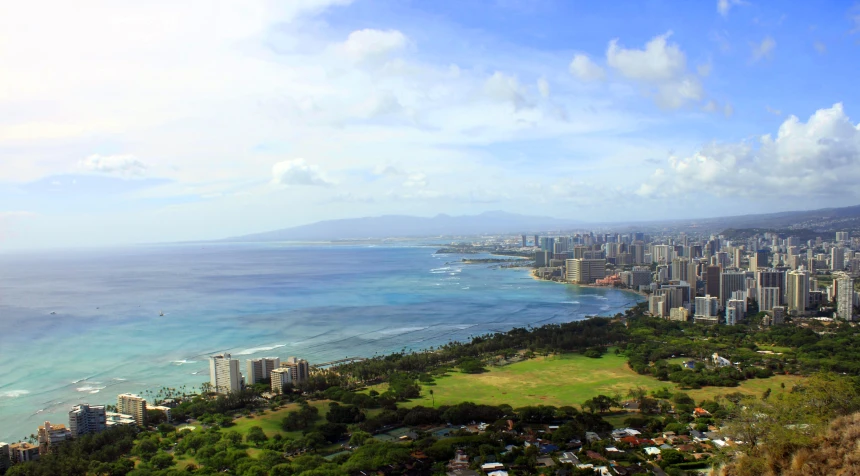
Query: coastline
(273,301)
(534,276)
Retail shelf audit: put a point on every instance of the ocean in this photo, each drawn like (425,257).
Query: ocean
(83,326)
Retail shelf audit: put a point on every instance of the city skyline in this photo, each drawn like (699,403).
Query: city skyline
(218,122)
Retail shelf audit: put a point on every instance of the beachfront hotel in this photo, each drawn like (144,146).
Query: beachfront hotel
(224,374)
(51,435)
(134,405)
(281,377)
(260,369)
(85,419)
(298,367)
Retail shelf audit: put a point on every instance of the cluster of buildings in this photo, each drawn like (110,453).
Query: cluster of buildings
(225,377)
(712,280)
(131,409)
(83,419)
(623,451)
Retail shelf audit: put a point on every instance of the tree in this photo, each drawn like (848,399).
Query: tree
(256,436)
(359,437)
(161,460)
(433,397)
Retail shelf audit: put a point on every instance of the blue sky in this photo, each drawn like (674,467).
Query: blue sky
(126,122)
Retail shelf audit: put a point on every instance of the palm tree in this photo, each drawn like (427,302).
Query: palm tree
(433,397)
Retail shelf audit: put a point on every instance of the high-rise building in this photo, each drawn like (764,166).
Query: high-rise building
(707,310)
(23,452)
(585,271)
(712,280)
(841,236)
(640,276)
(731,281)
(281,377)
(738,258)
(224,375)
(50,435)
(772,278)
(674,296)
(537,241)
(260,369)
(679,314)
(5,458)
(837,258)
(638,252)
(134,405)
(761,260)
(85,419)
(734,311)
(657,306)
(525,241)
(683,270)
(768,298)
(547,243)
(844,297)
(299,369)
(797,291)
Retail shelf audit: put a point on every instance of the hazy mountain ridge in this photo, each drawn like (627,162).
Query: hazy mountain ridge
(390,226)
(805,222)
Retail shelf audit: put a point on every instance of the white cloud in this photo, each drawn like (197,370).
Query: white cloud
(775,112)
(298,172)
(416,180)
(661,67)
(820,47)
(819,158)
(763,49)
(658,61)
(543,87)
(506,88)
(723,6)
(370,43)
(710,106)
(124,165)
(704,69)
(584,69)
(728,110)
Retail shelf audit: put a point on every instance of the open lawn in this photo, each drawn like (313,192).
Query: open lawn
(270,422)
(560,380)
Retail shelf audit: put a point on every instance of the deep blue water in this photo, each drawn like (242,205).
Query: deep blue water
(320,302)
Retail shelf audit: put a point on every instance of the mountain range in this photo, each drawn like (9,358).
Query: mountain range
(499,222)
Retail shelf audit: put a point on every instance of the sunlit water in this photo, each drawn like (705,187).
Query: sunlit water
(320,302)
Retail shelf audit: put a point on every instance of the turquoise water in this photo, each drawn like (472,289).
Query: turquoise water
(83,326)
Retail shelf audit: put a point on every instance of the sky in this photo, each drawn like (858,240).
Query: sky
(131,122)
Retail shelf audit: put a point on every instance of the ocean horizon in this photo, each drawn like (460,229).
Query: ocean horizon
(81,326)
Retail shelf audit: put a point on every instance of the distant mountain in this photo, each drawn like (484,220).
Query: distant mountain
(803,222)
(394,226)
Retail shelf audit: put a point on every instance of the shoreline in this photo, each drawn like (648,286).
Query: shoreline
(534,276)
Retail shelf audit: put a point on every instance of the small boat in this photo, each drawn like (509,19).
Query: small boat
(160,313)
(52,313)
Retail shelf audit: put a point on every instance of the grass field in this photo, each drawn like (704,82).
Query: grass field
(270,422)
(564,380)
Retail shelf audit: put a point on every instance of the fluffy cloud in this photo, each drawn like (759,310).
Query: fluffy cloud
(764,49)
(584,69)
(370,43)
(506,88)
(298,172)
(661,66)
(416,180)
(543,87)
(820,47)
(820,157)
(723,6)
(124,165)
(659,61)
